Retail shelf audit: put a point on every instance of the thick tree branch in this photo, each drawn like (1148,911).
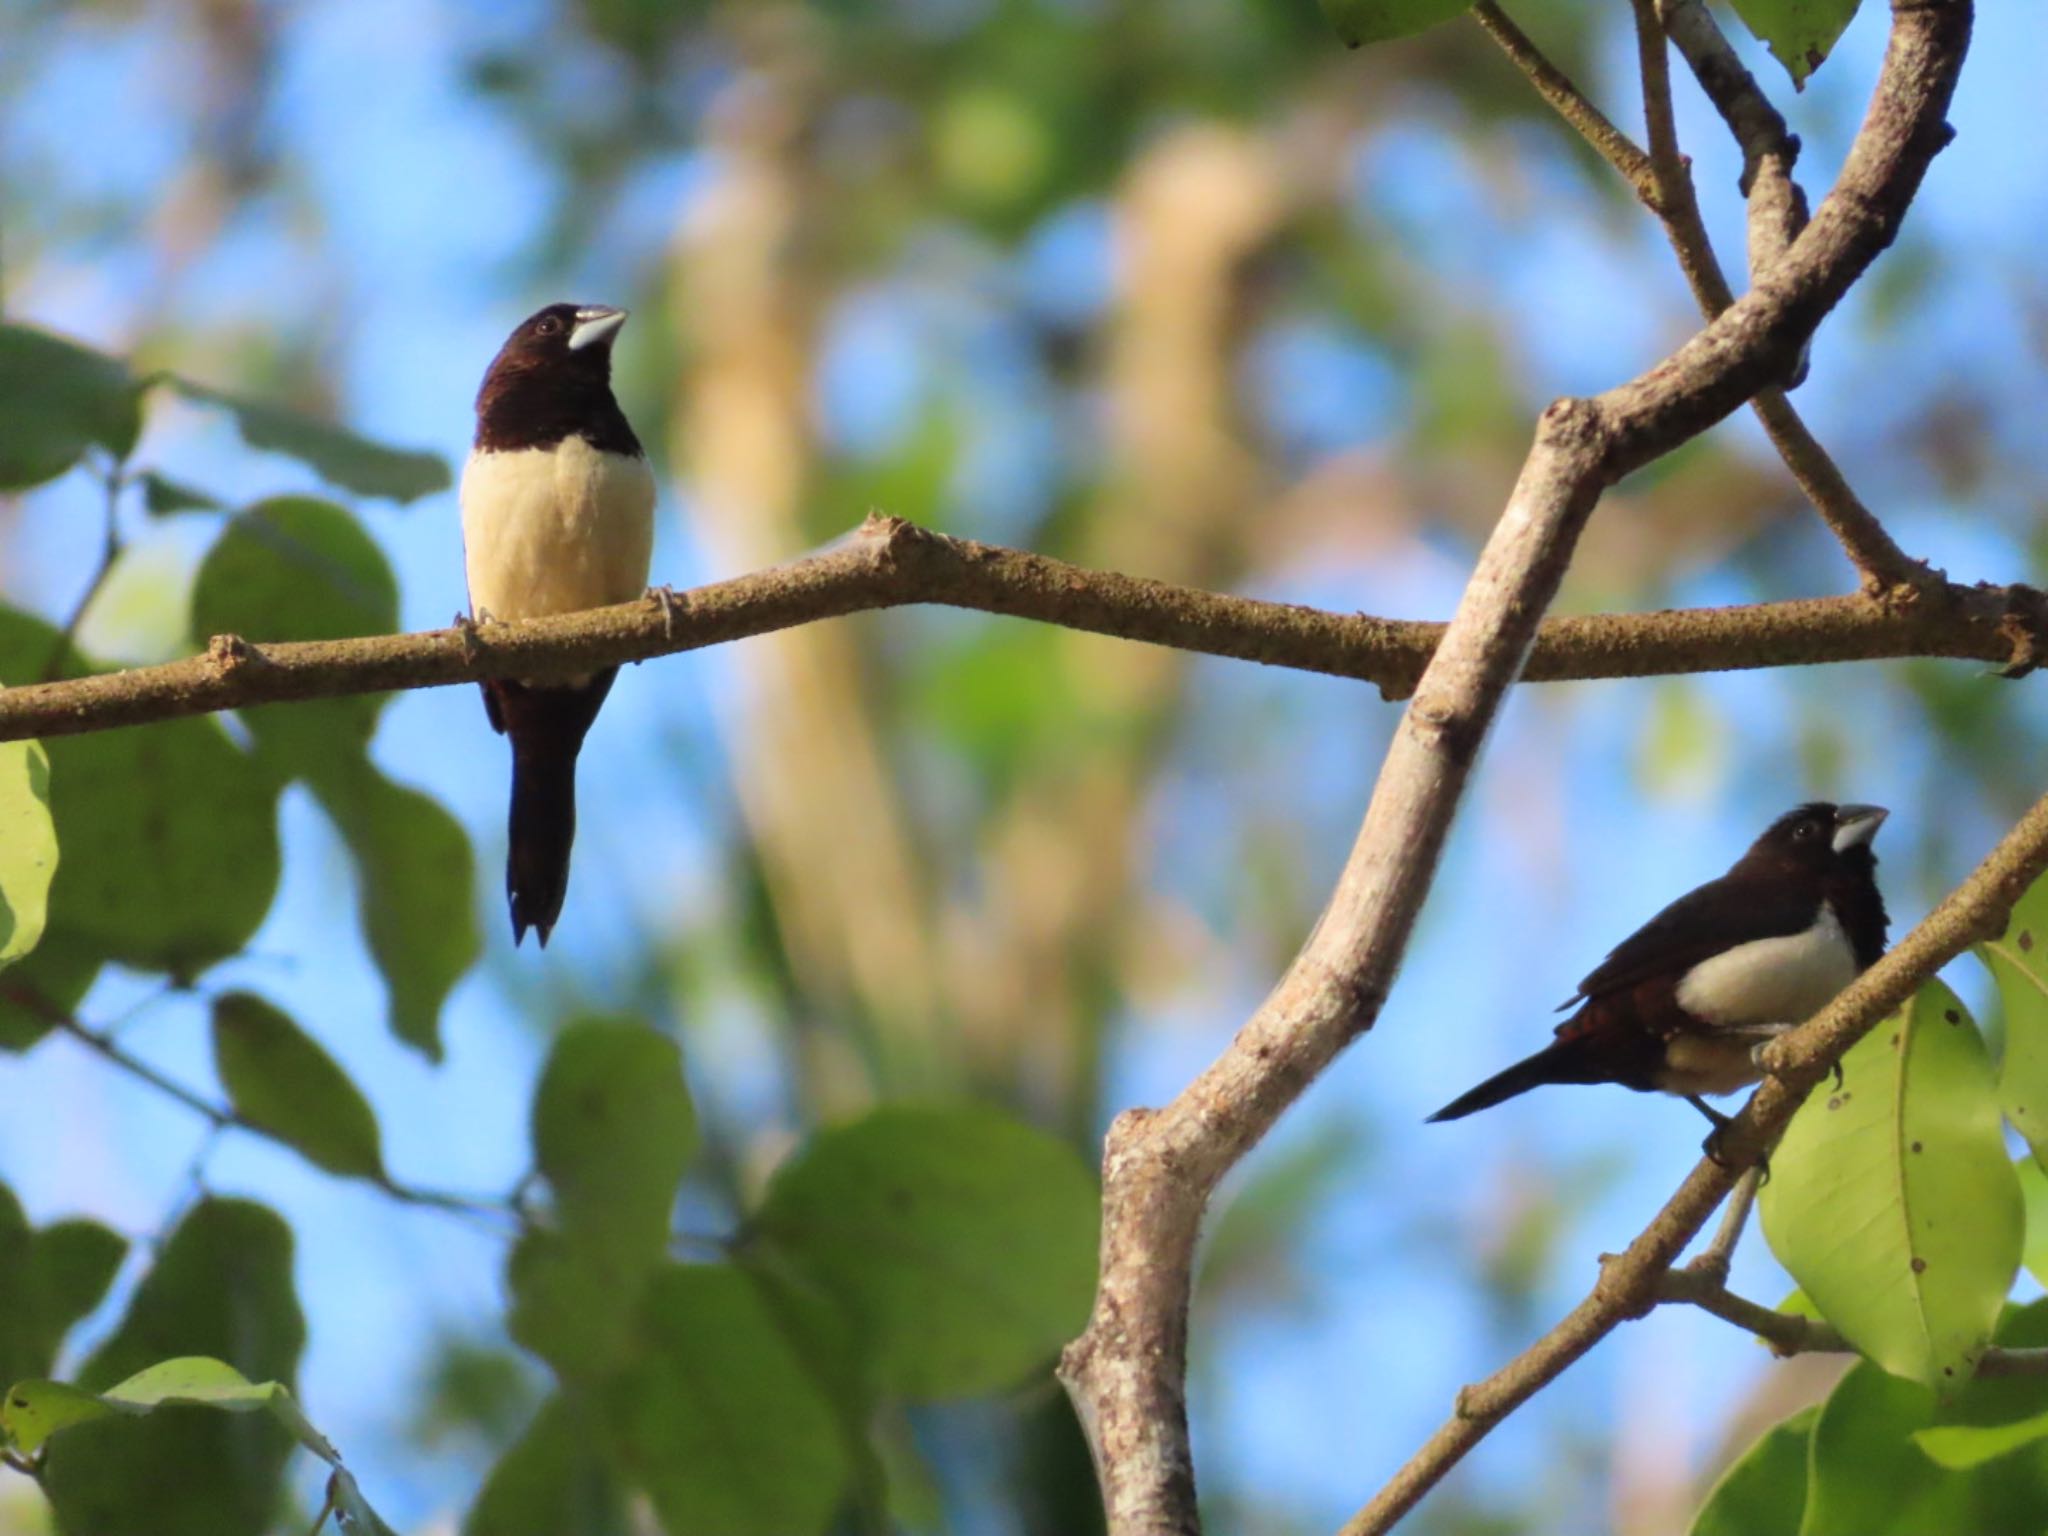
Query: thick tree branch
(888,563)
(1126,1373)
(1634,1281)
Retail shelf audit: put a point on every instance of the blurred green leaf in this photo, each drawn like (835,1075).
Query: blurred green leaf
(52,979)
(295,568)
(1375,21)
(2018,961)
(1960,1447)
(2034,1195)
(1891,1199)
(281,1081)
(715,1416)
(415,891)
(1763,1492)
(58,399)
(961,1242)
(170,844)
(221,1287)
(1867,1477)
(612,1132)
(165,497)
(49,1279)
(336,454)
(552,1481)
(1799,33)
(28,847)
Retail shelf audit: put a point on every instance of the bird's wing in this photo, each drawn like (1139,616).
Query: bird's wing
(1700,924)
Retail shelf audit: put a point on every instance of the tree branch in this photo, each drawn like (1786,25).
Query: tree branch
(1631,1283)
(1788,1334)
(1556,87)
(888,563)
(1126,1373)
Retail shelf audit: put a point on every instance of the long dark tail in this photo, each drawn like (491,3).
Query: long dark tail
(547,726)
(1569,1060)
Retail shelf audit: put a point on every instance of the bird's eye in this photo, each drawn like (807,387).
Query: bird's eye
(548,325)
(1804,831)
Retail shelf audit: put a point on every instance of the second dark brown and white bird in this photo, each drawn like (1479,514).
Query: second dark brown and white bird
(1682,1005)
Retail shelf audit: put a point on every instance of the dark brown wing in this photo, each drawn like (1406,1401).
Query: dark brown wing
(1700,924)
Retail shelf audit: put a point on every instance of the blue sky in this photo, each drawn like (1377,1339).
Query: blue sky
(404,220)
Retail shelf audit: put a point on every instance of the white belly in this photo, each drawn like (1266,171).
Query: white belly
(553,530)
(1772,981)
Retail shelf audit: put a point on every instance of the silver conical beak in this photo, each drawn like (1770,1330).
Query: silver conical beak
(1856,825)
(596,324)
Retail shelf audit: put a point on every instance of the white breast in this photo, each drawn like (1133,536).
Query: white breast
(552,530)
(1772,981)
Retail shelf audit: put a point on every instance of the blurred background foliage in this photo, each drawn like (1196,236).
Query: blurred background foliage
(1183,289)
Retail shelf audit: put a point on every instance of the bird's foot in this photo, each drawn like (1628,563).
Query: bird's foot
(664,598)
(1715,1145)
(472,644)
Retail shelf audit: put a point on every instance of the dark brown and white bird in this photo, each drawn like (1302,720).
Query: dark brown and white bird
(1682,1005)
(557,515)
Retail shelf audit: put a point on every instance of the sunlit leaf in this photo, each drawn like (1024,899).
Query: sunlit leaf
(961,1242)
(1867,1476)
(1375,21)
(1799,33)
(57,399)
(28,847)
(2034,1193)
(221,1288)
(337,455)
(1959,1447)
(1891,1199)
(281,1081)
(2018,960)
(716,1418)
(1763,1492)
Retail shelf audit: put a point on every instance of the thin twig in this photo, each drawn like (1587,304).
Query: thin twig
(888,563)
(1556,87)
(1713,1261)
(219,1117)
(114,481)
(1788,1334)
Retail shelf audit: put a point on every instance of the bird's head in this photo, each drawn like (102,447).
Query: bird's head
(1819,836)
(563,341)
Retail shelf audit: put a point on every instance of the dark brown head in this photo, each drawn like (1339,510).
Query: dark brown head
(552,380)
(1830,845)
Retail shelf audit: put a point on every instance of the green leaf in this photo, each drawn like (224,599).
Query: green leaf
(1866,1476)
(1376,21)
(1799,33)
(49,1279)
(553,1481)
(1960,1447)
(2034,1192)
(566,1306)
(165,497)
(415,891)
(170,844)
(961,1243)
(56,400)
(612,1133)
(221,1287)
(716,1418)
(28,847)
(296,568)
(1892,1202)
(1762,1493)
(2018,961)
(281,1081)
(36,1410)
(336,454)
